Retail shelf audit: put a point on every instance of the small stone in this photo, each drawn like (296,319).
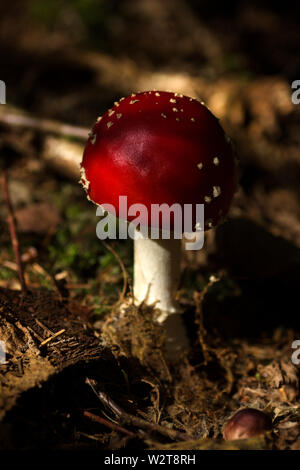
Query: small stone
(247,423)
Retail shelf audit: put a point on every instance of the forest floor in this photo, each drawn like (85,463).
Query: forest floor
(71,350)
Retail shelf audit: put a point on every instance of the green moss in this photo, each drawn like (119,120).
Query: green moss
(6,274)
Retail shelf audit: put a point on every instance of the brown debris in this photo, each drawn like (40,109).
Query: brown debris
(40,218)
(21,331)
(132,333)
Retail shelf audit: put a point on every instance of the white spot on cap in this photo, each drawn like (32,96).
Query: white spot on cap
(109,124)
(216,191)
(157,94)
(181,110)
(177,119)
(92,137)
(121,99)
(207,199)
(175,110)
(163,115)
(193,119)
(216,161)
(99,119)
(133,101)
(133,94)
(119,115)
(83,179)
(111,112)
(116,103)
(172,100)
(178,94)
(200,166)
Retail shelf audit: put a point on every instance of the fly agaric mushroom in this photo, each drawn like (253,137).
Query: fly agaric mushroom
(158,147)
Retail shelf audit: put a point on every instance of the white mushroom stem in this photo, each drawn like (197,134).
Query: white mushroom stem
(156,278)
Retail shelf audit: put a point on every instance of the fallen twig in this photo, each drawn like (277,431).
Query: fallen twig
(35,334)
(13,230)
(45,125)
(52,337)
(44,327)
(108,424)
(125,417)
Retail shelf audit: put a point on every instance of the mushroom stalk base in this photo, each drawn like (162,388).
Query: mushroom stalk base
(156,278)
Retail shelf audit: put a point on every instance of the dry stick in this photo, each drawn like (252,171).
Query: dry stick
(46,341)
(133,420)
(35,334)
(108,424)
(44,327)
(13,230)
(89,436)
(45,125)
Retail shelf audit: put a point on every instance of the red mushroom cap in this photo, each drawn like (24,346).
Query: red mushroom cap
(159,147)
